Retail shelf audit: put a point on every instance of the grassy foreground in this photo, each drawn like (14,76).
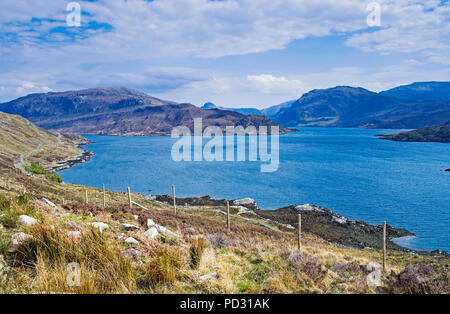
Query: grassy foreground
(202,257)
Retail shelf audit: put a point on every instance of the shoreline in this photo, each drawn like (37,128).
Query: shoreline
(317,220)
(69,163)
(323,222)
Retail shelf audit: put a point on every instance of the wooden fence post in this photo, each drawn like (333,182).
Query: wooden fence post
(104,197)
(174,200)
(299,232)
(129,198)
(228,217)
(87,200)
(384,246)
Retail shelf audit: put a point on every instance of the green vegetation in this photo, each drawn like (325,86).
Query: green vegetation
(36,169)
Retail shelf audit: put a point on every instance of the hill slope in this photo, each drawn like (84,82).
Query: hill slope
(19,137)
(440,133)
(345,106)
(421,91)
(119,111)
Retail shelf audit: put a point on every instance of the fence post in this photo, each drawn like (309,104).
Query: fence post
(63,201)
(228,217)
(104,197)
(87,200)
(129,198)
(174,200)
(384,246)
(299,232)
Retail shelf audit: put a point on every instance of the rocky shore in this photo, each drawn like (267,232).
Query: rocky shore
(66,164)
(317,220)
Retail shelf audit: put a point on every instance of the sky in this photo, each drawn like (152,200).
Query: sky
(234,53)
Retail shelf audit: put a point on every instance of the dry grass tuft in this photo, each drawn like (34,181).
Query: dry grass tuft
(197,247)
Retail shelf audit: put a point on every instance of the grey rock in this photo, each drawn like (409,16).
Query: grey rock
(131,240)
(100,226)
(17,239)
(209,276)
(27,220)
(128,227)
(151,233)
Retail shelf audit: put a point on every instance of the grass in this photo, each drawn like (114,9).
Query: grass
(250,259)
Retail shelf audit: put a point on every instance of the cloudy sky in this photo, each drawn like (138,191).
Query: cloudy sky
(235,53)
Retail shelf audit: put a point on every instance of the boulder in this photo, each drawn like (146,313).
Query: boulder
(47,202)
(151,233)
(244,201)
(100,226)
(209,276)
(131,253)
(27,220)
(150,223)
(74,234)
(131,240)
(165,230)
(128,227)
(17,239)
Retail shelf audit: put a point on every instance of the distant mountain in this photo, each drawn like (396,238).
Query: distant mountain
(245,111)
(209,105)
(421,91)
(272,111)
(120,111)
(269,112)
(440,133)
(346,106)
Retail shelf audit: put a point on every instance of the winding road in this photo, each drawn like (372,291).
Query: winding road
(22,157)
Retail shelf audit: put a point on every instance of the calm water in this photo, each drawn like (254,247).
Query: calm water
(347,170)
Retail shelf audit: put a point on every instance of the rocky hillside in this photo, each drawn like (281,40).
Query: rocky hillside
(120,111)
(440,133)
(23,143)
(345,106)
(135,250)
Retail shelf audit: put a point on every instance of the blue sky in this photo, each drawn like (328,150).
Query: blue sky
(235,53)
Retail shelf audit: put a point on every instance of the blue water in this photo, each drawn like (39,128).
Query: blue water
(347,170)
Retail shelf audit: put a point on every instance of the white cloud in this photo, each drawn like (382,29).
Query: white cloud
(147,30)
(410,26)
(269,84)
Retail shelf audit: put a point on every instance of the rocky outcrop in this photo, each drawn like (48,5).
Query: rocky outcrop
(334,227)
(440,133)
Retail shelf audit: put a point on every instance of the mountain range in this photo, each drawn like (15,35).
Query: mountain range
(346,106)
(413,106)
(120,111)
(124,111)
